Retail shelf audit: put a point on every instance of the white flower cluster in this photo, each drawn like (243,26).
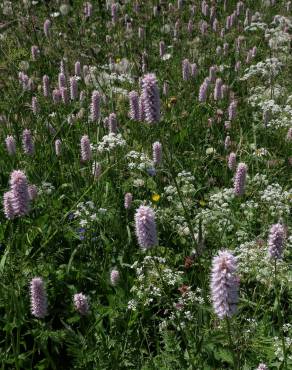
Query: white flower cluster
(276,200)
(249,208)
(278,344)
(139,161)
(218,215)
(110,142)
(153,277)
(278,39)
(254,263)
(267,69)
(182,311)
(184,180)
(85,213)
(256,26)
(283,119)
(46,188)
(280,21)
(262,93)
(278,115)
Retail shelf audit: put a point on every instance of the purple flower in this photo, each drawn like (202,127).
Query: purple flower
(262,367)
(151,171)
(134,105)
(224,284)
(114,277)
(144,62)
(237,66)
(157,152)
(62,67)
(57,97)
(85,148)
(212,73)
(95,106)
(114,12)
(38,298)
(145,227)
(203,27)
(203,92)
(276,241)
(186,69)
(34,105)
(194,69)
(232,110)
(8,205)
(10,145)
(215,25)
(224,91)
(87,9)
(58,147)
(141,109)
(161,48)
(96,170)
(47,26)
(32,192)
(227,142)
(46,86)
(240,178)
(77,68)
(128,200)
(151,100)
(232,161)
(81,303)
(64,94)
(217,89)
(73,88)
(61,80)
(81,231)
(19,196)
(27,142)
(34,52)
(112,123)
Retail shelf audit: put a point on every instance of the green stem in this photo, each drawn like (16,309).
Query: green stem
(279,315)
(165,288)
(231,344)
(187,216)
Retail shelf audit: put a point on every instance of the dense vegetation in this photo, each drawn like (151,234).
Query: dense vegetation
(145,172)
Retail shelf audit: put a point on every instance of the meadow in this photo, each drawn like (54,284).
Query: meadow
(145,183)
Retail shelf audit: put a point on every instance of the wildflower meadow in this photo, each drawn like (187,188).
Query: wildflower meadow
(145,184)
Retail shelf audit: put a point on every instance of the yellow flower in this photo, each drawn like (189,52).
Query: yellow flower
(202,203)
(155,197)
(171,101)
(118,60)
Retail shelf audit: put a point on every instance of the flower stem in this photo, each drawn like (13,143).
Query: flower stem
(279,315)
(231,344)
